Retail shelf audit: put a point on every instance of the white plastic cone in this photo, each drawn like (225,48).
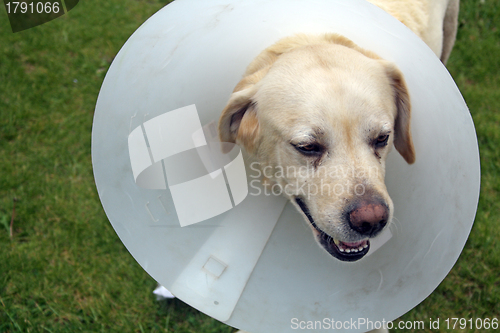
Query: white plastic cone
(253,262)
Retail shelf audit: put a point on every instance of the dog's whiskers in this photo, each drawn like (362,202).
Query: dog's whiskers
(395,223)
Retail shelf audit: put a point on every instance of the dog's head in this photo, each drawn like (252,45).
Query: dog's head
(320,115)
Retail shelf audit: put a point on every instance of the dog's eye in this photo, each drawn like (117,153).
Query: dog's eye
(309,149)
(381,141)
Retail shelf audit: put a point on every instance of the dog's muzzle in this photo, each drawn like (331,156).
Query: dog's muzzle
(366,218)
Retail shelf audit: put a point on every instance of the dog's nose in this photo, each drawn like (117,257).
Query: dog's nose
(368,218)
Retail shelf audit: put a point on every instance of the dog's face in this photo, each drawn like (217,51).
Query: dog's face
(320,119)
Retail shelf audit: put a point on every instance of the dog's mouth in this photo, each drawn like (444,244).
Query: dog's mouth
(345,251)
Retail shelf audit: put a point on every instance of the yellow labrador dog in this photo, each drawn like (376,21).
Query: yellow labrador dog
(323,113)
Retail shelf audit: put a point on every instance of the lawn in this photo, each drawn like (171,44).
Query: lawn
(63,268)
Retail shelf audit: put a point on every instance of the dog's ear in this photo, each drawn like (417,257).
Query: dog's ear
(402,136)
(238,122)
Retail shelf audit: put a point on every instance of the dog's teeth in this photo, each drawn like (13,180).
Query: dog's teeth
(346,249)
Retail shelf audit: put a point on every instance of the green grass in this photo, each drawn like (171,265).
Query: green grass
(65,270)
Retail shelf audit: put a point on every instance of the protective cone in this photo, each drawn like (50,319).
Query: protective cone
(247,258)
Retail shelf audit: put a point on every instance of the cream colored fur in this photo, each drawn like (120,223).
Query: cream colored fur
(308,93)
(434,21)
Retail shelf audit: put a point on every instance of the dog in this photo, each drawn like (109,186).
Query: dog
(324,105)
